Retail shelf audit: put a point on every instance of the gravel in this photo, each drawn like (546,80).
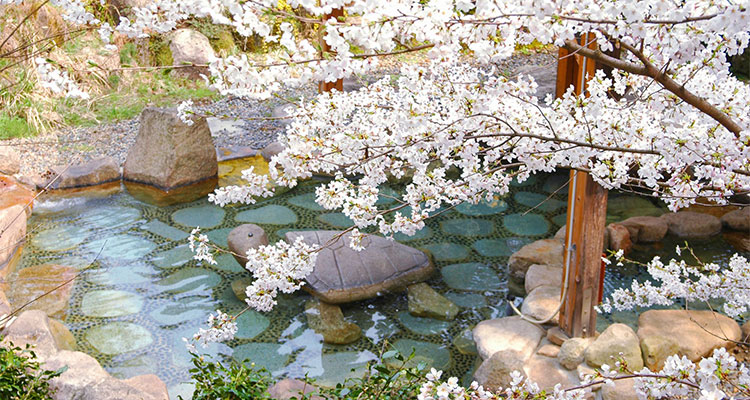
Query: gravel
(256,130)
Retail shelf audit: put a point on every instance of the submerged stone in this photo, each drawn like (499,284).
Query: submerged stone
(140,365)
(424,301)
(166,231)
(174,257)
(423,233)
(271,356)
(375,325)
(526,225)
(471,276)
(538,201)
(432,354)
(467,227)
(107,217)
(383,266)
(340,366)
(623,207)
(306,201)
(239,287)
(189,279)
(527,182)
(556,183)
(110,303)
(270,214)
(422,326)
(328,320)
(251,324)
(467,300)
(219,236)
(499,247)
(206,216)
(118,337)
(60,238)
(448,251)
(33,282)
(337,220)
(484,207)
(464,342)
(190,308)
(124,247)
(226,262)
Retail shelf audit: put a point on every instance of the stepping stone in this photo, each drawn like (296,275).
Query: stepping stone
(375,325)
(181,357)
(623,207)
(207,216)
(306,201)
(337,220)
(190,308)
(225,262)
(118,337)
(467,300)
(110,303)
(423,233)
(526,225)
(239,287)
(219,236)
(174,257)
(60,238)
(271,356)
(499,247)
(432,354)
(251,324)
(109,217)
(424,301)
(243,238)
(464,342)
(538,201)
(121,248)
(483,208)
(471,276)
(328,320)
(422,326)
(383,266)
(448,251)
(166,231)
(270,214)
(338,367)
(128,275)
(189,279)
(467,227)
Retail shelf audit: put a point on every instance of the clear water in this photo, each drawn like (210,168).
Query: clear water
(144,293)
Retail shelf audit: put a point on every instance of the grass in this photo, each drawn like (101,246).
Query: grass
(14,127)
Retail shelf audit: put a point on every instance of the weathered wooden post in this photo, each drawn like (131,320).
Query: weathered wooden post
(587,211)
(324,86)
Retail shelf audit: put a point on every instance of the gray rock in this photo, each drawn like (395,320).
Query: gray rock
(190,47)
(271,150)
(328,320)
(383,266)
(243,238)
(426,302)
(738,220)
(616,339)
(656,349)
(95,172)
(546,251)
(699,332)
(168,154)
(542,303)
(494,372)
(507,333)
(646,229)
(543,275)
(689,224)
(572,352)
(10,160)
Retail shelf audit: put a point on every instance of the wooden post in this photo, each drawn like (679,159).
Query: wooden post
(587,212)
(324,86)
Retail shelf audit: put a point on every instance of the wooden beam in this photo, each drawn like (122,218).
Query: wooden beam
(586,218)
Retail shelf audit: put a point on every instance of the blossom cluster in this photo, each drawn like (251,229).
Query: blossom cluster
(56,81)
(200,246)
(221,327)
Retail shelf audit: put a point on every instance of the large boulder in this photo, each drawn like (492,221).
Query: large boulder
(543,275)
(698,332)
(738,220)
(646,229)
(656,349)
(328,320)
(617,341)
(47,287)
(546,251)
(343,275)
(168,153)
(424,301)
(547,372)
(621,389)
(191,47)
(33,328)
(10,160)
(572,351)
(13,193)
(619,238)
(286,389)
(494,372)
(95,172)
(507,333)
(243,238)
(542,303)
(689,224)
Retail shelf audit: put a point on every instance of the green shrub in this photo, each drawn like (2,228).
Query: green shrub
(21,375)
(216,381)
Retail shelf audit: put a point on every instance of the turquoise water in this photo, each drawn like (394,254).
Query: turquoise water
(143,293)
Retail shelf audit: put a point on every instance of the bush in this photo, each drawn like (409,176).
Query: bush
(21,375)
(215,381)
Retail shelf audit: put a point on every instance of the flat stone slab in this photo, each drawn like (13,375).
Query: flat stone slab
(342,274)
(95,172)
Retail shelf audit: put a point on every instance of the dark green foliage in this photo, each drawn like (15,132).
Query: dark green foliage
(216,381)
(21,375)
